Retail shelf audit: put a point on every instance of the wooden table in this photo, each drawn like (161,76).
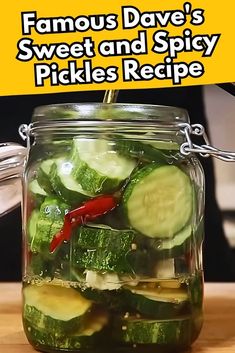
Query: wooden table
(218,334)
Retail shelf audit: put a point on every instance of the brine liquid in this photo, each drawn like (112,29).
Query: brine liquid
(113,314)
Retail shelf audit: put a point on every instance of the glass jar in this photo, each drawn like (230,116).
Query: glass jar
(113,230)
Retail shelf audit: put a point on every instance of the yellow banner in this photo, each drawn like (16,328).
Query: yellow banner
(58,46)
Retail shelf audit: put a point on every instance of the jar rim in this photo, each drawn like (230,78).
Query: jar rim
(128,112)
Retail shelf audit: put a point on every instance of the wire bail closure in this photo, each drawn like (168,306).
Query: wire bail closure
(25,133)
(205,150)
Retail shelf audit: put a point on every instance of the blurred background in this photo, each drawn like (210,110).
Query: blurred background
(220,113)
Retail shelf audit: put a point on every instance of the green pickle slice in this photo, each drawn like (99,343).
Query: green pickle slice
(65,185)
(45,224)
(101,248)
(155,301)
(140,150)
(60,317)
(136,330)
(158,200)
(97,167)
(55,308)
(43,176)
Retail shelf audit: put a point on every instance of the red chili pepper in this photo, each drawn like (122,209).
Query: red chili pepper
(90,210)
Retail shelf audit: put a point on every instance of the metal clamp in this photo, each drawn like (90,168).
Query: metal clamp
(25,133)
(205,150)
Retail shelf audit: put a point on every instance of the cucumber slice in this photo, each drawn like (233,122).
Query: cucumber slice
(139,150)
(158,200)
(50,221)
(156,309)
(159,303)
(197,290)
(43,340)
(196,286)
(101,248)
(43,176)
(32,225)
(179,245)
(94,321)
(65,185)
(155,292)
(169,149)
(91,333)
(54,308)
(36,189)
(174,247)
(37,193)
(49,266)
(173,333)
(159,152)
(104,237)
(113,300)
(53,209)
(62,143)
(165,145)
(172,283)
(40,266)
(45,232)
(97,167)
